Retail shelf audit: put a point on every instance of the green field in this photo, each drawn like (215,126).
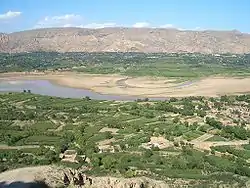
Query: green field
(159,139)
(114,137)
(181,66)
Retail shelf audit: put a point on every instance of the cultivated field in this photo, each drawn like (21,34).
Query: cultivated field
(130,139)
(199,137)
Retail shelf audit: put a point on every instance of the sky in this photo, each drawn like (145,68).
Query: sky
(18,15)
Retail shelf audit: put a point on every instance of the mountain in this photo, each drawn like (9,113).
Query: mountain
(124,40)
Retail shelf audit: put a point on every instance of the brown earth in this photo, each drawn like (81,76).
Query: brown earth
(125,40)
(53,176)
(142,86)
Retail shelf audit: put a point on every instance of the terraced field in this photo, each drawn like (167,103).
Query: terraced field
(128,138)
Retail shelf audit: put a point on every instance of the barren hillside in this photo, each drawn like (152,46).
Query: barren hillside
(124,40)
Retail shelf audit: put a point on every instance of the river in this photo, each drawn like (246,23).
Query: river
(45,87)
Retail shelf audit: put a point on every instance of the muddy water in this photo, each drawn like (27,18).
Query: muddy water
(44,87)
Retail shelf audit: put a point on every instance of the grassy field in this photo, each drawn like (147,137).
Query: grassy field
(158,138)
(181,66)
(216,138)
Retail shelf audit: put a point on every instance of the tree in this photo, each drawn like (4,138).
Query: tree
(155,148)
(237,132)
(42,150)
(187,112)
(149,114)
(182,143)
(176,120)
(212,122)
(162,118)
(224,98)
(3,168)
(212,151)
(176,144)
(201,113)
(108,135)
(87,98)
(63,147)
(173,99)
(52,156)
(130,173)
(123,146)
(243,170)
(97,161)
(28,159)
(148,153)
(179,163)
(109,162)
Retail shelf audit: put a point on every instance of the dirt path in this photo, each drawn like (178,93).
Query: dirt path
(153,123)
(201,143)
(60,128)
(20,103)
(131,120)
(207,145)
(202,138)
(56,122)
(3,146)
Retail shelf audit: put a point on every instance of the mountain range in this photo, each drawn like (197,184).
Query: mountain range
(125,40)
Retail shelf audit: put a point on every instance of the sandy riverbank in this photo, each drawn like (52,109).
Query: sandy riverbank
(140,86)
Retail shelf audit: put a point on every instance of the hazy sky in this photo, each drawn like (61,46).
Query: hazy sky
(16,15)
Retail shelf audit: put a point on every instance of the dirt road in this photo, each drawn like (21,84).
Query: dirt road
(3,146)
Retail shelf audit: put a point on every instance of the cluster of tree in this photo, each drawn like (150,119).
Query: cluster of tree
(245,98)
(44,156)
(128,63)
(12,113)
(84,136)
(189,159)
(235,132)
(188,109)
(214,123)
(229,164)
(27,91)
(229,131)
(245,154)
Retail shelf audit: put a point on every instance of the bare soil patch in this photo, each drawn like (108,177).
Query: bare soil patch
(207,144)
(159,142)
(53,176)
(141,86)
(27,174)
(106,129)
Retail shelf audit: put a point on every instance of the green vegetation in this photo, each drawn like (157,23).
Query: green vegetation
(160,139)
(133,64)
(216,138)
(114,136)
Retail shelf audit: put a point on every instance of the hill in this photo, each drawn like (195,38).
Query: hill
(125,39)
(180,141)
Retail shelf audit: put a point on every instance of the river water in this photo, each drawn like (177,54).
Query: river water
(45,87)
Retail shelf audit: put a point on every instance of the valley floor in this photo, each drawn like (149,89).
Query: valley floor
(141,86)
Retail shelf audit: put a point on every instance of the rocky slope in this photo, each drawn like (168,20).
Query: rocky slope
(124,40)
(54,176)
